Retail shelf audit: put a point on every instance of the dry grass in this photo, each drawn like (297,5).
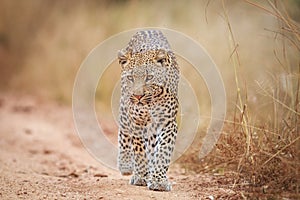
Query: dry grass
(263,149)
(270,158)
(256,45)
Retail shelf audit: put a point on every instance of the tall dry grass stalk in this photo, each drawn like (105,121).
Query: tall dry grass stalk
(260,142)
(241,105)
(265,153)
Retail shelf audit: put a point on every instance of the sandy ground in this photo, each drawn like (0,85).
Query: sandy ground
(41,157)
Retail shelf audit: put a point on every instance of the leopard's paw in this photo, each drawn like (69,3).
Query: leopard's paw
(126,170)
(138,180)
(159,185)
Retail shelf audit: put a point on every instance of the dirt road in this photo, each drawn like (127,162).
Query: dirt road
(41,157)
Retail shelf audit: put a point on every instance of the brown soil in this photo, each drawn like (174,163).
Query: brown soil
(41,157)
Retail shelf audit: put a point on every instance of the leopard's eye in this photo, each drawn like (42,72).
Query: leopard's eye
(130,78)
(149,77)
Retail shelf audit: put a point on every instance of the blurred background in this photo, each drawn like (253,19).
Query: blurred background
(42,43)
(255,44)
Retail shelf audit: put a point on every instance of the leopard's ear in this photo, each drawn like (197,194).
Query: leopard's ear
(161,57)
(124,57)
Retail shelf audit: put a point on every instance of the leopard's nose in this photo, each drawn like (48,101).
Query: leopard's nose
(138,96)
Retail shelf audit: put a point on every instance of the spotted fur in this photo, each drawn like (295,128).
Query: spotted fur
(148,109)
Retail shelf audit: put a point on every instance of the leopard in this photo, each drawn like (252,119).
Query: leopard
(148,109)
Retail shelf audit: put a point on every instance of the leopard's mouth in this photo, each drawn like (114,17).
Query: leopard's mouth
(138,96)
(140,99)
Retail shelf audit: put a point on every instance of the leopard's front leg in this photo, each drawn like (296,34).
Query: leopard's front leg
(163,144)
(125,154)
(125,151)
(140,172)
(162,152)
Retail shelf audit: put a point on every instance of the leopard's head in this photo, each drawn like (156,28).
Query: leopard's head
(144,75)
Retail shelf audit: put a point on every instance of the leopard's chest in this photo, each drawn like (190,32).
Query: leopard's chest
(139,115)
